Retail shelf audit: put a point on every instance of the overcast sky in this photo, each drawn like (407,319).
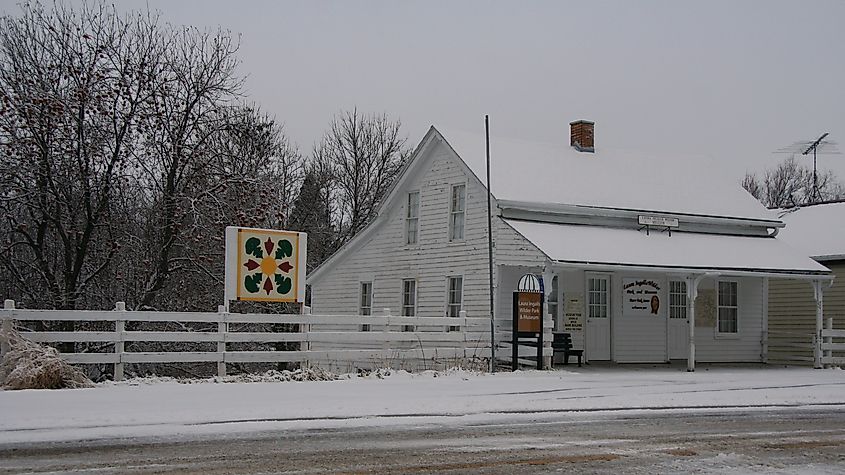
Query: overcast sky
(735,80)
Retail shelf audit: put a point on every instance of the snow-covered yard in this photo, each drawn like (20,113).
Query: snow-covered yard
(171,409)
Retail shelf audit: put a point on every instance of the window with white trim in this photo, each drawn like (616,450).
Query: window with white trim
(456,294)
(412,218)
(456,212)
(409,301)
(678,299)
(727,319)
(597,300)
(455,298)
(365,305)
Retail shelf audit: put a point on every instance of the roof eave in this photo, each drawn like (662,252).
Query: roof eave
(586,210)
(798,274)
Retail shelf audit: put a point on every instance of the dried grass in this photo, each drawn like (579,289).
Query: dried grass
(29,365)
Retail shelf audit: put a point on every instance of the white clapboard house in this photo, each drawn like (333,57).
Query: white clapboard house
(624,243)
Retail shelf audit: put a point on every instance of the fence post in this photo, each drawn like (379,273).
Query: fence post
(221,340)
(8,306)
(828,340)
(462,321)
(386,342)
(119,329)
(306,328)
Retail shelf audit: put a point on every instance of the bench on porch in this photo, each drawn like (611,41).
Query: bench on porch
(562,342)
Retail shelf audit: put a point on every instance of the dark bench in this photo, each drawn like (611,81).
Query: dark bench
(562,342)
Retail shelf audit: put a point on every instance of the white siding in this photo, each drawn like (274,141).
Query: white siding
(386,260)
(747,345)
(792,315)
(638,339)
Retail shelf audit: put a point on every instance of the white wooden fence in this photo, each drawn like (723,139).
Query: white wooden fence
(324,340)
(833,343)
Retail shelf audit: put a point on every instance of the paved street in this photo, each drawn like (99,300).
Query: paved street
(779,440)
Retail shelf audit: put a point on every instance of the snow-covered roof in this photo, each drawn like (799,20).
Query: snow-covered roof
(595,245)
(818,230)
(606,178)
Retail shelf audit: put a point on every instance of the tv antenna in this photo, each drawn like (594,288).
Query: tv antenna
(820,146)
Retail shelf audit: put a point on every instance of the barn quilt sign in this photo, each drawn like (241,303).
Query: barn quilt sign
(265,265)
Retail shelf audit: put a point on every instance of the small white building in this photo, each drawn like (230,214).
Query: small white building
(624,242)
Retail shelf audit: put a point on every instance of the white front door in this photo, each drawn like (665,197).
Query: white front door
(598,317)
(678,327)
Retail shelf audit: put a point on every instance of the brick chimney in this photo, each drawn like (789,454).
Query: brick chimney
(581,135)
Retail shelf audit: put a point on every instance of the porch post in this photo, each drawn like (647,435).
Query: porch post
(548,276)
(692,294)
(818,294)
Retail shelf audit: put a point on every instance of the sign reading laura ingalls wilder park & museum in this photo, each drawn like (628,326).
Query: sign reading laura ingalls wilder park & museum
(641,297)
(529,310)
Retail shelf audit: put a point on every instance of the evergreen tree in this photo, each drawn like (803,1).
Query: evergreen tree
(311,214)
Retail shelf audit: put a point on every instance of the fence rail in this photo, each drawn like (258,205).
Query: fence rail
(321,338)
(833,341)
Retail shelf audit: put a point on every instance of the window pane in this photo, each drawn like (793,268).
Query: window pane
(409,298)
(455,296)
(413,204)
(456,218)
(728,308)
(366,298)
(727,320)
(458,197)
(412,218)
(677,299)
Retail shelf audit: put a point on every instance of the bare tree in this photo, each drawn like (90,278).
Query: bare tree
(251,179)
(362,155)
(792,184)
(199,80)
(72,86)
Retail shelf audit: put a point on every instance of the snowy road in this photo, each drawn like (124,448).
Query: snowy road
(610,420)
(787,441)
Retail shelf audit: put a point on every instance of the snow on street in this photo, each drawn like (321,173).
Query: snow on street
(184,411)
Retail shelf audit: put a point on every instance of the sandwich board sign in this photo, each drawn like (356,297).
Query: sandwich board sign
(265,265)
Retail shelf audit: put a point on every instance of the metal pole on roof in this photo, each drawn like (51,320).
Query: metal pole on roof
(490,249)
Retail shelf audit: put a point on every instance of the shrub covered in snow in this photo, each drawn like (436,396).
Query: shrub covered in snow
(29,365)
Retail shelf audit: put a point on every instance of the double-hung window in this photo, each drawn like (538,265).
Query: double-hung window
(409,301)
(455,299)
(727,319)
(457,209)
(677,299)
(366,303)
(412,218)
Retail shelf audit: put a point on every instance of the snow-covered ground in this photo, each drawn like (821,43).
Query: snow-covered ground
(171,409)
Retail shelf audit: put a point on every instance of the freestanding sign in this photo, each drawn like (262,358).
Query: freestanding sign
(265,265)
(528,318)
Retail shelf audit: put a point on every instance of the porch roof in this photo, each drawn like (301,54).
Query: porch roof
(603,247)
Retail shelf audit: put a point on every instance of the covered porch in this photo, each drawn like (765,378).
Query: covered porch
(625,296)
